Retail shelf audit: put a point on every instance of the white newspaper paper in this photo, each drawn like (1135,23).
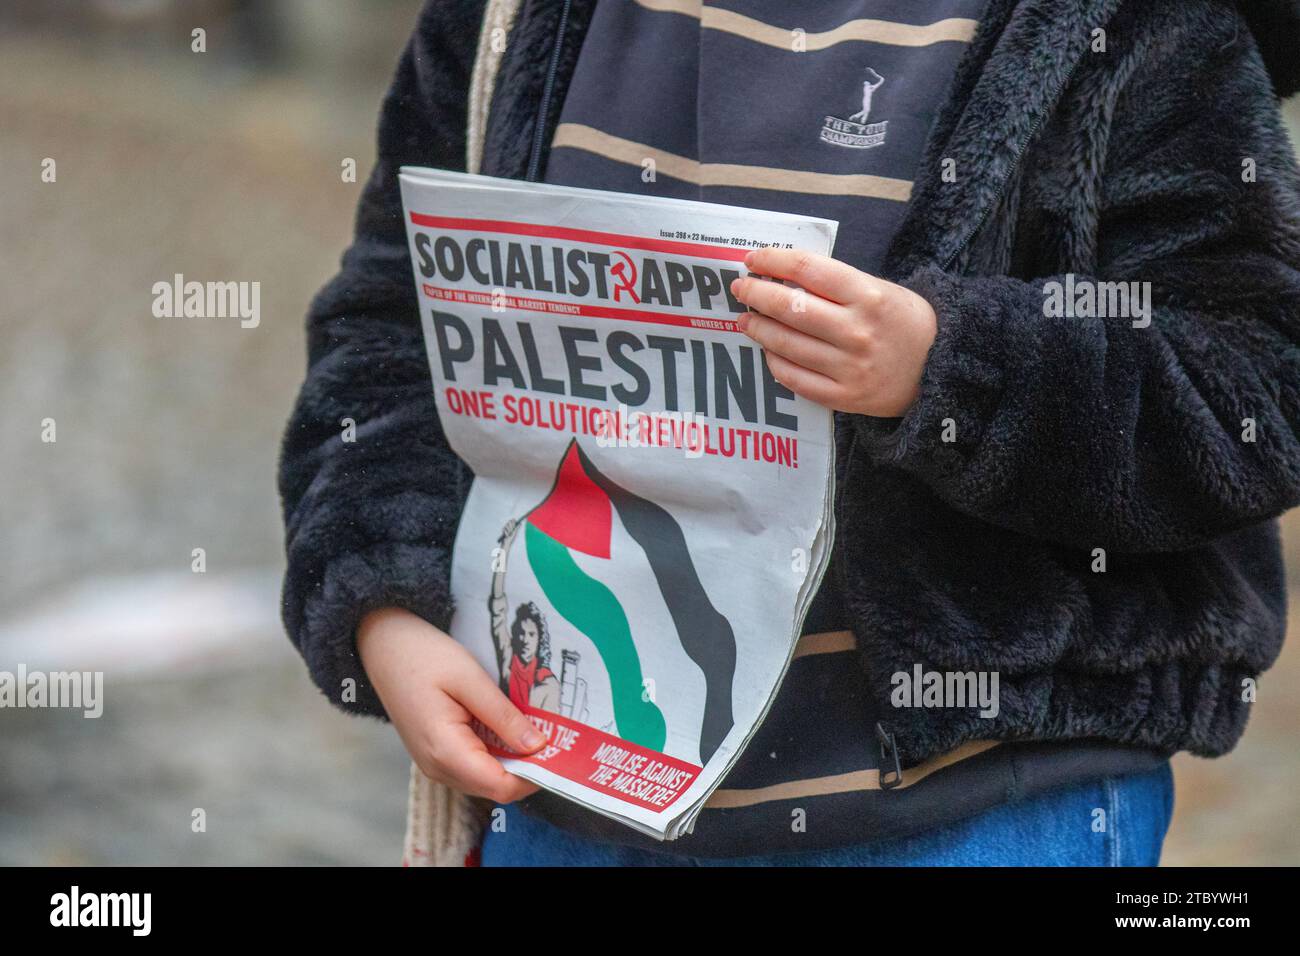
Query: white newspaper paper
(651,512)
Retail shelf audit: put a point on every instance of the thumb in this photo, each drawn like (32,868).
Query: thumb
(480,695)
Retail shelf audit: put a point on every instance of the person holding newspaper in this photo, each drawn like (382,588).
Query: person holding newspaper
(1059,334)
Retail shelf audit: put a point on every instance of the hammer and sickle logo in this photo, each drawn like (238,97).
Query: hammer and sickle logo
(624,272)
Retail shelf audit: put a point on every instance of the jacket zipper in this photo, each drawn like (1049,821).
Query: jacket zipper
(891,770)
(548,88)
(1015,164)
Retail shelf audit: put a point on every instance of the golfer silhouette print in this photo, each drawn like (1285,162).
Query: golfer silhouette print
(869,87)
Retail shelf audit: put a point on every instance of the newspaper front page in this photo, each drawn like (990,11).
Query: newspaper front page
(651,511)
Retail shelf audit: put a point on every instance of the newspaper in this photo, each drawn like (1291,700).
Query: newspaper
(651,511)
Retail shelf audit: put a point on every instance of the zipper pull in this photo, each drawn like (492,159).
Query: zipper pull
(891,771)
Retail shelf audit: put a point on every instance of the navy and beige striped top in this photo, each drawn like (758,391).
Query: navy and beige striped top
(819,108)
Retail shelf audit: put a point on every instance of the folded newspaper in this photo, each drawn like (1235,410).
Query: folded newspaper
(651,511)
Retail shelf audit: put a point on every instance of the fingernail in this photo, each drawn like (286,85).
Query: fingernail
(735,285)
(742,320)
(749,259)
(532,739)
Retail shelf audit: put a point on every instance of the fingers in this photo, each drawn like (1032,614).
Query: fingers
(790,343)
(461,760)
(805,382)
(797,308)
(432,689)
(478,693)
(820,275)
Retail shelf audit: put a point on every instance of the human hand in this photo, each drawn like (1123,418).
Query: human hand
(433,688)
(843,339)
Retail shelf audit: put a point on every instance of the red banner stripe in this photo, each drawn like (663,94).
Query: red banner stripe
(504,226)
(604,763)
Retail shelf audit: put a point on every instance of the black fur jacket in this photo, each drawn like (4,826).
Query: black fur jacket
(1085,506)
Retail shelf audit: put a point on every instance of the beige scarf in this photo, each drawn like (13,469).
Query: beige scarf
(443,827)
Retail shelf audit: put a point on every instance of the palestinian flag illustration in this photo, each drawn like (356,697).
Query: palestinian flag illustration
(590,546)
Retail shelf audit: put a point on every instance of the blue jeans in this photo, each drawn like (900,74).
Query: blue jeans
(1116,821)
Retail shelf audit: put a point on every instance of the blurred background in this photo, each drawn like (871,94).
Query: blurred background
(226,165)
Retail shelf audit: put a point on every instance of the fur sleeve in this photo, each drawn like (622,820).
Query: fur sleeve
(1087,430)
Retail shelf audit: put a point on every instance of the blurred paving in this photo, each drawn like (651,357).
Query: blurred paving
(167,435)
(282,778)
